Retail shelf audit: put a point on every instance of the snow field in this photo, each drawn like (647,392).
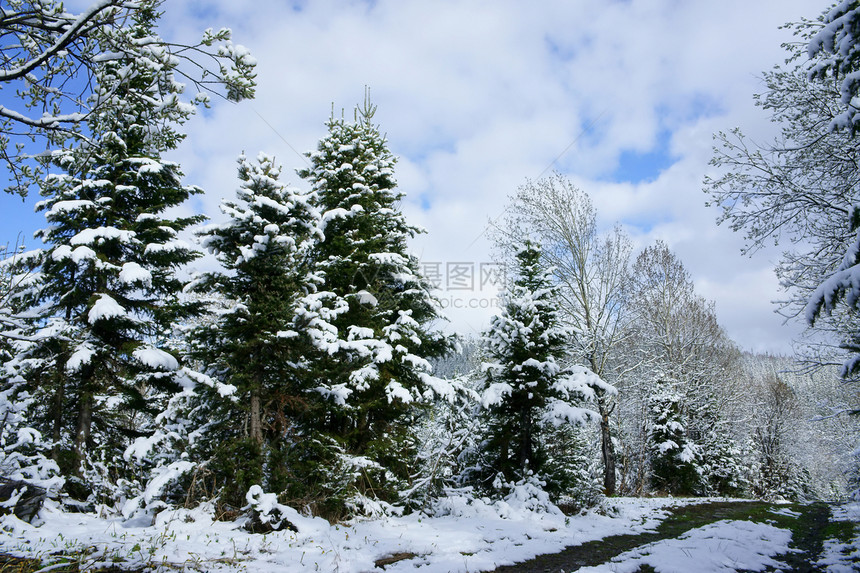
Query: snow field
(466,535)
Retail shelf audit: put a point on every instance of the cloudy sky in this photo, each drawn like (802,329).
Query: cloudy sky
(622,97)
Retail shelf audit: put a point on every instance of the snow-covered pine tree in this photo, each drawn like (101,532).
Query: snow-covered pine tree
(574,453)
(674,458)
(721,466)
(527,387)
(106,293)
(252,345)
(591,270)
(444,433)
(24,453)
(372,314)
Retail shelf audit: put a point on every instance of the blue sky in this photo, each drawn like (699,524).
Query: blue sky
(18,219)
(477,96)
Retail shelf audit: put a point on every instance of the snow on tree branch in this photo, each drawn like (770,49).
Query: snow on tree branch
(837,49)
(50,59)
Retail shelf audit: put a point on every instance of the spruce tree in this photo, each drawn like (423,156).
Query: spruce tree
(674,458)
(252,343)
(107,294)
(721,467)
(528,389)
(370,319)
(573,458)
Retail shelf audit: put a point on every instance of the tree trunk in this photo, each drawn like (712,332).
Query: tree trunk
(607,448)
(82,432)
(256,429)
(60,396)
(525,454)
(57,411)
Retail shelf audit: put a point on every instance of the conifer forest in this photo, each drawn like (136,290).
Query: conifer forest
(302,382)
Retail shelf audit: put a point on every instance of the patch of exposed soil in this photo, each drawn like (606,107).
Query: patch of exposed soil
(11,564)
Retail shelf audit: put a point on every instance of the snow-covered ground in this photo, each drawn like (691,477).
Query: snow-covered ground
(464,535)
(724,546)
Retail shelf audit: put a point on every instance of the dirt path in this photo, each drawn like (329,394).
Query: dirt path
(809,530)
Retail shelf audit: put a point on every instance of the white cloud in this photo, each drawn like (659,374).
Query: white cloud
(477,96)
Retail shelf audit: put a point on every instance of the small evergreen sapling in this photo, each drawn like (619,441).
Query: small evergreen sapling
(674,458)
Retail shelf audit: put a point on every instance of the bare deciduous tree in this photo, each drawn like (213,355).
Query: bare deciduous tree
(50,58)
(800,190)
(674,341)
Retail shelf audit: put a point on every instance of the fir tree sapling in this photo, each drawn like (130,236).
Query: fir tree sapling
(445,434)
(450,429)
(674,458)
(24,452)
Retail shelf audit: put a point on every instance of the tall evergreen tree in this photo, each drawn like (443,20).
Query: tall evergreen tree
(371,316)
(252,344)
(527,387)
(106,293)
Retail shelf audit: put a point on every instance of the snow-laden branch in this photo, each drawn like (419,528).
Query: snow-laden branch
(70,35)
(52,59)
(45,122)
